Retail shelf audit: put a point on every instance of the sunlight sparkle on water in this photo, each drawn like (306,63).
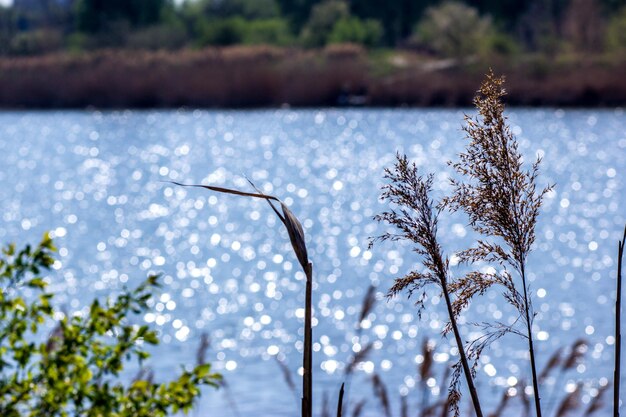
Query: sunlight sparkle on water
(95,180)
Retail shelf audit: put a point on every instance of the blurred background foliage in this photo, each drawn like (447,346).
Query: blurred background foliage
(441,29)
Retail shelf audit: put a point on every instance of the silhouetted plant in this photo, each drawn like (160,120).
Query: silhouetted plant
(369,301)
(380,392)
(618,327)
(597,403)
(503,203)
(296,236)
(415,217)
(569,362)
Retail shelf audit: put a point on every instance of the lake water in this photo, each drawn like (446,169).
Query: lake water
(96,181)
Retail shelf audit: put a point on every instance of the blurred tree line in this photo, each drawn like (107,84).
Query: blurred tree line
(449,29)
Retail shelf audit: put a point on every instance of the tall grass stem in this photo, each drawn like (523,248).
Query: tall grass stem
(618,324)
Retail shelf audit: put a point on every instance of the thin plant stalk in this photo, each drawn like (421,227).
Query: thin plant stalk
(618,327)
(464,362)
(531,348)
(366,307)
(296,237)
(307,357)
(340,401)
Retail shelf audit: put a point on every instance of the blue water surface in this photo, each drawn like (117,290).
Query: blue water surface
(97,180)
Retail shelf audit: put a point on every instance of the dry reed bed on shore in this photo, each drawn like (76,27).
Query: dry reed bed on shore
(263,76)
(228,77)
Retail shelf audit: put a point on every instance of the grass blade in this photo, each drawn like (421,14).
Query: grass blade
(340,401)
(298,243)
(227,191)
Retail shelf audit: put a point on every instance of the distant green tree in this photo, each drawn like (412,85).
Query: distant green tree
(222,32)
(398,17)
(453,30)
(354,30)
(616,32)
(8,27)
(248,9)
(97,15)
(157,37)
(268,31)
(506,12)
(36,42)
(74,371)
(296,11)
(583,26)
(323,18)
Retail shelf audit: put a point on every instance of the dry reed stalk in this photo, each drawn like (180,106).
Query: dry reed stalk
(576,354)
(415,216)
(449,403)
(502,202)
(55,338)
(618,325)
(521,388)
(369,301)
(404,406)
(430,410)
(425,370)
(203,347)
(553,363)
(597,403)
(340,401)
(287,377)
(380,392)
(359,357)
(144,374)
(570,403)
(229,396)
(298,243)
(325,410)
(504,401)
(358,408)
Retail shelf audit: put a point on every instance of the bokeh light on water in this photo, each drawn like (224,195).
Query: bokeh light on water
(97,181)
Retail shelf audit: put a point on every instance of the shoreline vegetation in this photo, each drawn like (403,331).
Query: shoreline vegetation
(273,76)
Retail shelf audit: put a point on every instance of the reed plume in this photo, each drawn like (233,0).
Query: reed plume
(415,216)
(502,202)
